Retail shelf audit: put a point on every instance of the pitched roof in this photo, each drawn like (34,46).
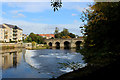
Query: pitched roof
(47,35)
(13,26)
(1,26)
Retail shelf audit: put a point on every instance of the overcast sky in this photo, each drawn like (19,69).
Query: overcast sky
(39,17)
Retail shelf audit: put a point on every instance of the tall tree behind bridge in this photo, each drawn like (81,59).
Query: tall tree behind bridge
(63,34)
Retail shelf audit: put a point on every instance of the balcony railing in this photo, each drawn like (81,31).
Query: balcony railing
(14,38)
(14,30)
(6,36)
(14,34)
(6,32)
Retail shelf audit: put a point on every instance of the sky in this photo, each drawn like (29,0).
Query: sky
(40,18)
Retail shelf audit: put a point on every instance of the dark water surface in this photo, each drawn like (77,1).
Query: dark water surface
(23,63)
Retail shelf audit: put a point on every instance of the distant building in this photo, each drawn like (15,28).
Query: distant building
(47,36)
(10,33)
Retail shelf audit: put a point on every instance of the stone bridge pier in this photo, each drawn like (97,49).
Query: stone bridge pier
(64,43)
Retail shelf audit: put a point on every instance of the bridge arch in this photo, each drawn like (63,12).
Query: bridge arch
(50,44)
(77,43)
(67,45)
(57,45)
(64,43)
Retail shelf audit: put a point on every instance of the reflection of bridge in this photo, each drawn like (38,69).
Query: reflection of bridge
(64,43)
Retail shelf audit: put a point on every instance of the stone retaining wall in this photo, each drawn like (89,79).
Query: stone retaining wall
(16,45)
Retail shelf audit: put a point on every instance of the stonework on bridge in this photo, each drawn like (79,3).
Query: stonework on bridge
(64,43)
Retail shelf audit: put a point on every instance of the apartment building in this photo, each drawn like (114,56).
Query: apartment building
(2,32)
(10,33)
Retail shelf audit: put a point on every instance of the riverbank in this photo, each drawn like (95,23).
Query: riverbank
(93,72)
(37,48)
(4,46)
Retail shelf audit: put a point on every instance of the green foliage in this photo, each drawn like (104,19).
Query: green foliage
(101,31)
(47,47)
(72,35)
(63,34)
(56,4)
(56,30)
(33,37)
(33,43)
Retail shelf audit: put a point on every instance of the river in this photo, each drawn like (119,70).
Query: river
(43,63)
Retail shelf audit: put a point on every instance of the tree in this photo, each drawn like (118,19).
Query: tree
(101,30)
(56,30)
(36,38)
(72,35)
(56,4)
(56,33)
(63,34)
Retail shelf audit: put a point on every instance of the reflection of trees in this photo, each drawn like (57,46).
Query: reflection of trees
(10,58)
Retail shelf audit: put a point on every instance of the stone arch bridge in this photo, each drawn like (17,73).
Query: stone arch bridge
(64,43)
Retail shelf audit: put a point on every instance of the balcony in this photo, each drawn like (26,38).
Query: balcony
(6,36)
(14,34)
(14,30)
(6,32)
(14,38)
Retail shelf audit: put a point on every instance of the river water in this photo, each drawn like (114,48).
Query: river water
(44,63)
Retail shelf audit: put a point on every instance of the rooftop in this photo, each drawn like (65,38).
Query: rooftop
(13,26)
(47,35)
(1,26)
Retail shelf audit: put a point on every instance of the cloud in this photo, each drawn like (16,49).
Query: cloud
(48,0)
(19,15)
(74,14)
(62,0)
(30,7)
(75,21)
(40,28)
(43,6)
(80,9)
(3,13)
(15,11)
(75,6)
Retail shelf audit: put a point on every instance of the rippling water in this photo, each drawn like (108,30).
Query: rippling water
(37,63)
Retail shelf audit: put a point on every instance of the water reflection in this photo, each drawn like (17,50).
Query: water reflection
(10,58)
